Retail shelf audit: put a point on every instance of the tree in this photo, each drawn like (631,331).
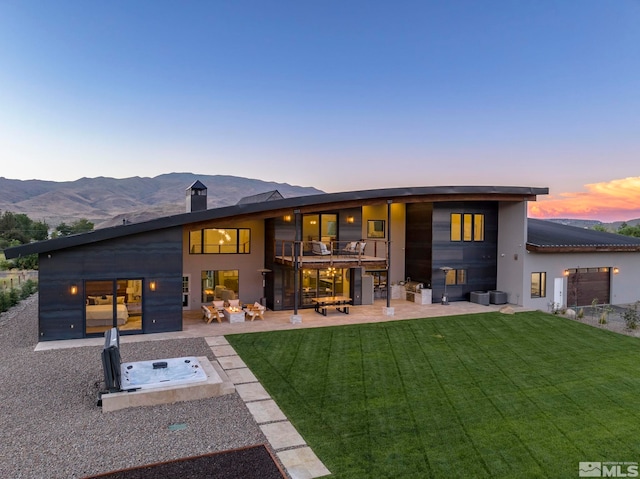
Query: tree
(81,226)
(628,230)
(20,228)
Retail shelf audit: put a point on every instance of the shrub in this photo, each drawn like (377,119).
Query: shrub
(11,297)
(630,316)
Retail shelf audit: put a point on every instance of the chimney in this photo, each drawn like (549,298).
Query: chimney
(196,197)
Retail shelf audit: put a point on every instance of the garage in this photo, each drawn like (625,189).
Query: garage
(584,285)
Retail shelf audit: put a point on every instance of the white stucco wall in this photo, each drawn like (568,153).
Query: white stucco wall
(398,236)
(625,286)
(250,280)
(512,233)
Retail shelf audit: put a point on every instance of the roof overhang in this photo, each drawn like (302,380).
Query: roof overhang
(303,204)
(584,249)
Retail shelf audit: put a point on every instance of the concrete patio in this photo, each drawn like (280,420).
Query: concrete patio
(195,327)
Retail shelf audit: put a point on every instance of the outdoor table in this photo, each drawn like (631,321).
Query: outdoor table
(340,302)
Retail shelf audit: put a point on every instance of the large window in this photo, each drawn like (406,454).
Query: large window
(219,285)
(220,241)
(467,227)
(322,227)
(538,285)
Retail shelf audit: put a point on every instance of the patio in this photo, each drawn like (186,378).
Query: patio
(195,327)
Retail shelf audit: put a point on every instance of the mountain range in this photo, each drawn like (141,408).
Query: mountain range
(109,201)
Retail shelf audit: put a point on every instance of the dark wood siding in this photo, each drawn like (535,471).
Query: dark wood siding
(418,256)
(154,256)
(478,258)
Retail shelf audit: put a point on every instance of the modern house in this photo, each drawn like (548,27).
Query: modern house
(286,252)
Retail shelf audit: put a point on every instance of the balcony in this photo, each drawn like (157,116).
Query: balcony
(341,254)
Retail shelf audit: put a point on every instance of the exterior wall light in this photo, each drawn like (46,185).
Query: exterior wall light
(152,285)
(287,218)
(350,219)
(73,289)
(566,272)
(616,270)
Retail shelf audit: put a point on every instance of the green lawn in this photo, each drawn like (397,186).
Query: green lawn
(489,395)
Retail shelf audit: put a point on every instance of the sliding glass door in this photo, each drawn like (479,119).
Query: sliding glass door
(113,303)
(321,283)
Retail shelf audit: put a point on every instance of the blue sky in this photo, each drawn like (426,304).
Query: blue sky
(340,95)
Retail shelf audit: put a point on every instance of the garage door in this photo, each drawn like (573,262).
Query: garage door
(586,284)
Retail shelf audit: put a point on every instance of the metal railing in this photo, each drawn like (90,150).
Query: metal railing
(337,250)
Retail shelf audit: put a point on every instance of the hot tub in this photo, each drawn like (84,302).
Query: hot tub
(160,373)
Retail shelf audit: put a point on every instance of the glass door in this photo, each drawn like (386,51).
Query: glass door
(322,283)
(186,291)
(110,304)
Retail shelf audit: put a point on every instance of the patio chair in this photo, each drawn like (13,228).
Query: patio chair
(318,247)
(255,310)
(219,305)
(234,303)
(350,248)
(209,313)
(361,245)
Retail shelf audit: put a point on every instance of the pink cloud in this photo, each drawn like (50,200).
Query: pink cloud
(616,200)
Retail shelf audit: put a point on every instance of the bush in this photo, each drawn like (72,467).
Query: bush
(10,298)
(630,316)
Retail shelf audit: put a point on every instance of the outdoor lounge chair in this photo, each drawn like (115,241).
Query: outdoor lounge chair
(255,310)
(209,313)
(350,248)
(318,247)
(219,305)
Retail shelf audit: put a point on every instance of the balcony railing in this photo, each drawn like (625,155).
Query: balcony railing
(374,252)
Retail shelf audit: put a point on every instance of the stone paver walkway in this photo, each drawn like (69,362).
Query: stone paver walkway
(296,456)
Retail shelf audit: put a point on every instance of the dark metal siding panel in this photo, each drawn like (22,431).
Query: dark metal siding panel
(418,253)
(269,262)
(60,313)
(349,231)
(478,258)
(151,256)
(355,279)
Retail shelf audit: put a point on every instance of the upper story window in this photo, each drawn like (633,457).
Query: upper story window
(220,241)
(467,227)
(320,227)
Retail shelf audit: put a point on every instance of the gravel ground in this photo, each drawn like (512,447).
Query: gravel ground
(615,319)
(52,427)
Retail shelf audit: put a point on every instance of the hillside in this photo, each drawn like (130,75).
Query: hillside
(107,201)
(613,227)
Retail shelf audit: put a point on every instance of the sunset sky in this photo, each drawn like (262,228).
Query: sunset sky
(337,94)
